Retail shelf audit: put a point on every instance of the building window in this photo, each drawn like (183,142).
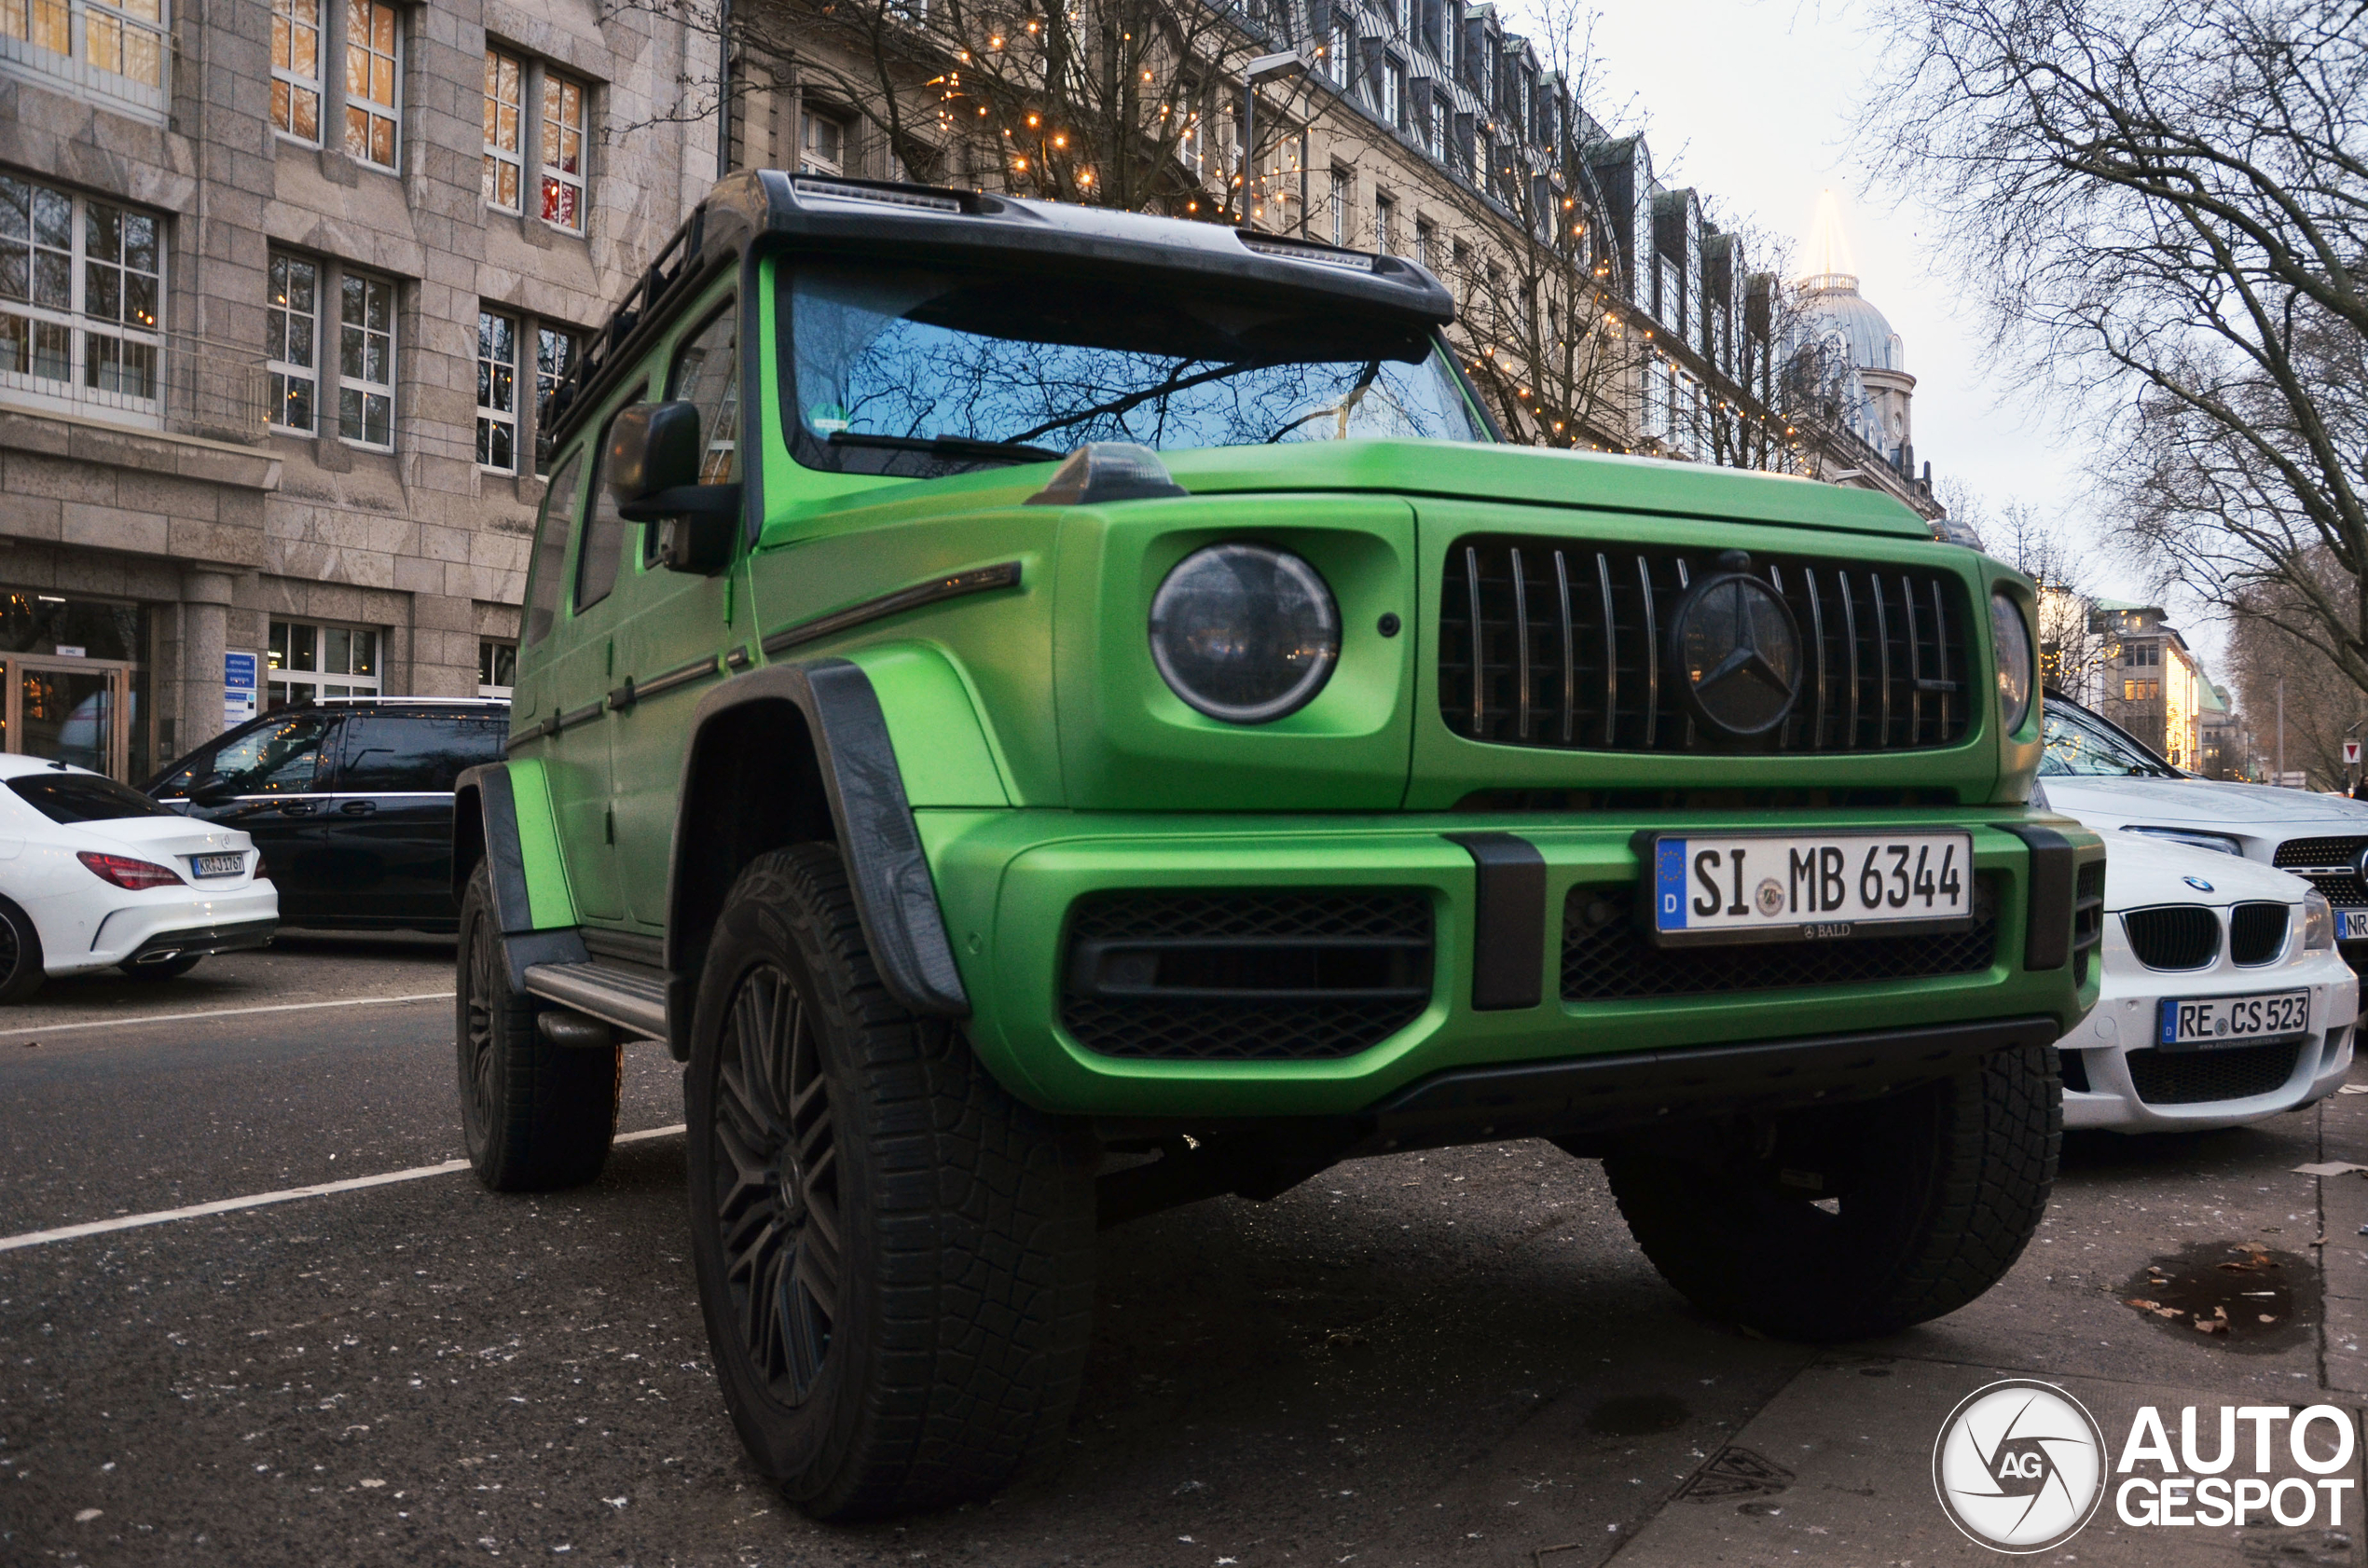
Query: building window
(1425,243)
(309,662)
(295,69)
(366,361)
(81,299)
(497,667)
(292,334)
(497,392)
(821,143)
(373,71)
(1393,95)
(1384,225)
(563,118)
(504,130)
(116,47)
(555,351)
(1341,56)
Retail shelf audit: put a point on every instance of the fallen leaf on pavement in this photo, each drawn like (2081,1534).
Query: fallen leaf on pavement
(2145,1306)
(2268,1317)
(2211,1326)
(2329,1168)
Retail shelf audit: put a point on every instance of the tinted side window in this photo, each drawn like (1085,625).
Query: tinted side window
(84,797)
(549,568)
(603,535)
(281,757)
(400,754)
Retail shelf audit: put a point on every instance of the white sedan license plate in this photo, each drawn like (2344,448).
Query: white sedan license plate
(2216,1022)
(219,865)
(1808,886)
(2351,925)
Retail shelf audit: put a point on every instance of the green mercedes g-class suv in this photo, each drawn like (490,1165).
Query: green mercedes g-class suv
(1053,713)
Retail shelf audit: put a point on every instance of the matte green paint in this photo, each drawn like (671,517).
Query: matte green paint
(546,873)
(932,722)
(1046,759)
(1006,880)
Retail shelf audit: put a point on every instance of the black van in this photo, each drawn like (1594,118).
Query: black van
(350,801)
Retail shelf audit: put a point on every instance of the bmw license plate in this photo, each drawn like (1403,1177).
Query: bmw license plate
(2351,925)
(1806,887)
(2217,1023)
(219,865)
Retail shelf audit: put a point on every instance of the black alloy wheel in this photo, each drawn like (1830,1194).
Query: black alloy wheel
(777,1183)
(535,1114)
(21,961)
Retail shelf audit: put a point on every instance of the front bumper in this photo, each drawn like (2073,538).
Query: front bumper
(2105,1088)
(1007,882)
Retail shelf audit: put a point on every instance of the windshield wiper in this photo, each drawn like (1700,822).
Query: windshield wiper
(949,447)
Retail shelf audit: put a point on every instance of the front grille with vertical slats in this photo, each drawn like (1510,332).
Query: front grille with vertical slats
(1561,643)
(2257,931)
(2173,936)
(2327,864)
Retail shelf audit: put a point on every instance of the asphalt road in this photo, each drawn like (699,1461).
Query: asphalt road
(1452,1359)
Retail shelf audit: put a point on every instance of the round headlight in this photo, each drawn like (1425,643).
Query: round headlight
(2014,671)
(1245,633)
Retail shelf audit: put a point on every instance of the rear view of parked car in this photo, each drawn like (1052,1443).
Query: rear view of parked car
(350,801)
(95,876)
(2225,1000)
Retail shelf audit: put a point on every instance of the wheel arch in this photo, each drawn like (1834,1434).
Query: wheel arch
(800,753)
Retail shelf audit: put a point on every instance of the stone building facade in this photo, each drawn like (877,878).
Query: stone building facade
(278,279)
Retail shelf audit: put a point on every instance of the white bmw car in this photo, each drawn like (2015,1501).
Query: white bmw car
(2224,999)
(2099,773)
(94,875)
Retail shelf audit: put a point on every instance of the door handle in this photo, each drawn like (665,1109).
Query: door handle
(296,808)
(358,808)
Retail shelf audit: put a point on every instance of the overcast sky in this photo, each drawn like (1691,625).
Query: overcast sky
(1748,101)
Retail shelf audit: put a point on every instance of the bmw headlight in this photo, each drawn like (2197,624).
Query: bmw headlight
(2193,838)
(2016,673)
(2317,922)
(1245,633)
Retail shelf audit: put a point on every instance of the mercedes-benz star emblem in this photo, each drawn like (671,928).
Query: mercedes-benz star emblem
(1735,641)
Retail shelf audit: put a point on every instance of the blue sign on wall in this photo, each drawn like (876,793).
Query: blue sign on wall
(239,687)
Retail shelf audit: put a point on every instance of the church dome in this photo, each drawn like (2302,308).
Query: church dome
(1831,309)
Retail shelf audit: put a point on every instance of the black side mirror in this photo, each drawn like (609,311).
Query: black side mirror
(653,472)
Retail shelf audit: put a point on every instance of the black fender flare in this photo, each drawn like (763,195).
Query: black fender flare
(895,897)
(485,807)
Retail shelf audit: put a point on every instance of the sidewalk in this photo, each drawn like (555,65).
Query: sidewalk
(1837,1469)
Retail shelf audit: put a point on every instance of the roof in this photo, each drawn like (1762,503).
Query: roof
(774,210)
(1839,310)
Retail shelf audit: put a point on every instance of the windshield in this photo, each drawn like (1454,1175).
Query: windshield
(920,372)
(2078,742)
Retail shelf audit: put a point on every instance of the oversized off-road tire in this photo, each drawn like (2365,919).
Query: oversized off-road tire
(894,1257)
(20,960)
(534,1115)
(1853,1222)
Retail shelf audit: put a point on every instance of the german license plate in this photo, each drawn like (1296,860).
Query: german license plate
(2351,925)
(220,865)
(2217,1023)
(1807,887)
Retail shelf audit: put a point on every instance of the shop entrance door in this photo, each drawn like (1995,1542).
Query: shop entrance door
(70,710)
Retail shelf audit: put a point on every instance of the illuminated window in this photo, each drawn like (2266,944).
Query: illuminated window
(116,47)
(292,334)
(504,130)
(295,69)
(563,153)
(497,392)
(373,74)
(366,361)
(309,661)
(81,299)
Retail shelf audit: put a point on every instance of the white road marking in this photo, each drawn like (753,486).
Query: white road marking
(228,1205)
(221,1012)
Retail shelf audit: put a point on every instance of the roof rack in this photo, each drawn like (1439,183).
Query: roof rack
(666,273)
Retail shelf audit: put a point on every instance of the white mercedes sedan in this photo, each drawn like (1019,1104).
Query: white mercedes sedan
(2223,1000)
(94,875)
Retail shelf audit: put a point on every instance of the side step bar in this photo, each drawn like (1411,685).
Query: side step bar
(630,997)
